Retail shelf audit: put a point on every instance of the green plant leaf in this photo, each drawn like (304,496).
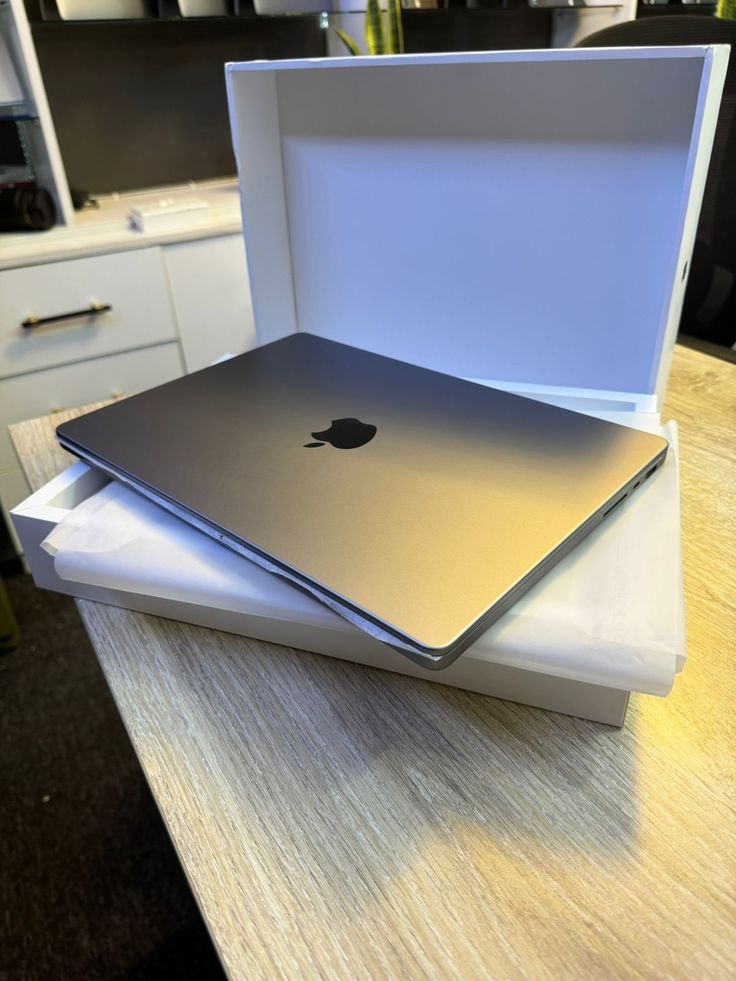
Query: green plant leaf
(374,40)
(395,28)
(352,47)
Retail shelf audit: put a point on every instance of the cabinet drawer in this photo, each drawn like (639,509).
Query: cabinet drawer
(78,384)
(211,296)
(131,284)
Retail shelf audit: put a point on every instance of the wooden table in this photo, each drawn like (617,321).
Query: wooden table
(339,822)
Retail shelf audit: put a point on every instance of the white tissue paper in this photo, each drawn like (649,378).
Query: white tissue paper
(603,615)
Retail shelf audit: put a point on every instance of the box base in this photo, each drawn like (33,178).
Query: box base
(36,517)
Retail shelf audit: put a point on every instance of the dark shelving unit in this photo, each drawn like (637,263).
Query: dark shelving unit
(141,102)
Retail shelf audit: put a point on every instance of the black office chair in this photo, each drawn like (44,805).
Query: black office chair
(709,310)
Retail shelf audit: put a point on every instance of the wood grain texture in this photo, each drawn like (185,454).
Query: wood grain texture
(336,821)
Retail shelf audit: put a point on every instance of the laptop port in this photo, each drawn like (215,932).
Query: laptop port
(614,506)
(650,472)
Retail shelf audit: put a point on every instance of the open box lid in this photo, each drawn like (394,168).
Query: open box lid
(525,218)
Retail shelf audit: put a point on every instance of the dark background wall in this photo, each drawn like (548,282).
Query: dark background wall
(142,103)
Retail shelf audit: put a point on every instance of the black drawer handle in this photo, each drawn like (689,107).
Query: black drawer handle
(30,323)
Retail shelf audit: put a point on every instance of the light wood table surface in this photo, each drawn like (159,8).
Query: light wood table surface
(339,822)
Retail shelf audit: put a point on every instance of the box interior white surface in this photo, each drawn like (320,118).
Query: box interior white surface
(519,217)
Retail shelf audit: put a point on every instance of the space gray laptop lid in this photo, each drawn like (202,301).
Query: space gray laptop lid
(418,505)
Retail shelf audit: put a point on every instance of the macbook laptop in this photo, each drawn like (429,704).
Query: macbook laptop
(415,504)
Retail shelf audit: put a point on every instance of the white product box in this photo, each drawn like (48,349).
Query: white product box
(555,650)
(524,219)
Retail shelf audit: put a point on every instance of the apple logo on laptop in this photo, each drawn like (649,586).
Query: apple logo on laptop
(345,434)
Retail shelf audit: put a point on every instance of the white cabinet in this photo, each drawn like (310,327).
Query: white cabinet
(145,306)
(174,308)
(44,392)
(121,300)
(211,296)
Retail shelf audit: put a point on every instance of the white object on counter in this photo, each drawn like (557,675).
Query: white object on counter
(169,214)
(203,8)
(602,616)
(101,9)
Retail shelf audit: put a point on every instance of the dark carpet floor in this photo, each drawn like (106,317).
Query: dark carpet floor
(90,886)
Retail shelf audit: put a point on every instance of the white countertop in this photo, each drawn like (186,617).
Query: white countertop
(107,229)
